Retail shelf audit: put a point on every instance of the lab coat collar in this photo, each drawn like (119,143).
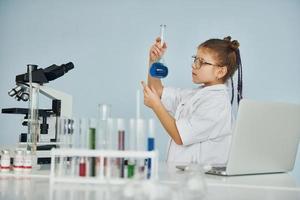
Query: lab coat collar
(214,87)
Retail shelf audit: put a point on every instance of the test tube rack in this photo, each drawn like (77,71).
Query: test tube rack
(60,155)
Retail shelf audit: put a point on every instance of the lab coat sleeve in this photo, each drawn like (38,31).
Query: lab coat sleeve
(170,98)
(205,122)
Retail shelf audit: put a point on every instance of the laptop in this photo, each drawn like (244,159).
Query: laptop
(265,139)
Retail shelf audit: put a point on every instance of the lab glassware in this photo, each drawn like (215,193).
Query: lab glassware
(92,145)
(33,112)
(159,69)
(104,113)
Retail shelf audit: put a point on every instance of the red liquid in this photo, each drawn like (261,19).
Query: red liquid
(82,169)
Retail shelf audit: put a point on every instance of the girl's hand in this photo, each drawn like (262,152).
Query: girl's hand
(151,97)
(157,51)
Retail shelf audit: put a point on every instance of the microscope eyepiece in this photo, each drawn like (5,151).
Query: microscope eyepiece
(55,71)
(41,76)
(68,66)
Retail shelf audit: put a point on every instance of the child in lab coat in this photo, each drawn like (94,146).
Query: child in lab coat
(199,121)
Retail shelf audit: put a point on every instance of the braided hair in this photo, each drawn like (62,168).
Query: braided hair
(228,54)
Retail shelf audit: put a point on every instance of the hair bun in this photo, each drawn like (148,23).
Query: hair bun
(228,38)
(232,44)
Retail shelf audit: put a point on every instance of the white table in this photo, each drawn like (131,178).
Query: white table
(35,186)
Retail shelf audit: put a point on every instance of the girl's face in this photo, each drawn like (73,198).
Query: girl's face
(205,69)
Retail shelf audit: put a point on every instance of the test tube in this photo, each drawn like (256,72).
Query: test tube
(132,134)
(63,132)
(159,69)
(162,33)
(111,134)
(121,144)
(33,112)
(74,143)
(150,144)
(104,113)
(92,145)
(92,133)
(83,131)
(62,141)
(141,145)
(140,135)
(82,135)
(132,147)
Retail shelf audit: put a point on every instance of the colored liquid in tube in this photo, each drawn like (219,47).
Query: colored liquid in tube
(82,167)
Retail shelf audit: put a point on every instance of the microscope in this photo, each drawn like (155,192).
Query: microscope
(47,118)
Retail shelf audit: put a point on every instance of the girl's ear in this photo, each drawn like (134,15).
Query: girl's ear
(221,72)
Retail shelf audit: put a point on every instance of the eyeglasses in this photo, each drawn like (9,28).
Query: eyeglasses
(199,63)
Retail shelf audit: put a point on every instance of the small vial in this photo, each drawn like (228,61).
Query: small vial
(18,160)
(5,161)
(27,166)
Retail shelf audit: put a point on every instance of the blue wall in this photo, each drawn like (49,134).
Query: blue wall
(109,40)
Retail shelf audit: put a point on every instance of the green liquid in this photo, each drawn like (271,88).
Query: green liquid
(92,145)
(130,171)
(92,138)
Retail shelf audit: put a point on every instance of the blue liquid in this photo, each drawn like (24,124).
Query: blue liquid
(158,70)
(151,146)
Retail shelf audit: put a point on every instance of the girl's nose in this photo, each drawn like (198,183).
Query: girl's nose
(193,66)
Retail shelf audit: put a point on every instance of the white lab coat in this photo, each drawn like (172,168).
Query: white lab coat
(204,121)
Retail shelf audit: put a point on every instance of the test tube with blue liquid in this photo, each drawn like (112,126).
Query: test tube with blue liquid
(159,69)
(150,144)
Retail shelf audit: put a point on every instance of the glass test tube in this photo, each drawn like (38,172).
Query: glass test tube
(92,145)
(104,113)
(150,144)
(121,144)
(74,143)
(132,147)
(159,69)
(62,143)
(82,135)
(141,145)
(140,135)
(33,112)
(162,33)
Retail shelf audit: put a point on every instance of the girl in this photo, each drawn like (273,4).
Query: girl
(199,121)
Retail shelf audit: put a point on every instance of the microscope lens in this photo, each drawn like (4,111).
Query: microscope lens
(15,90)
(25,96)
